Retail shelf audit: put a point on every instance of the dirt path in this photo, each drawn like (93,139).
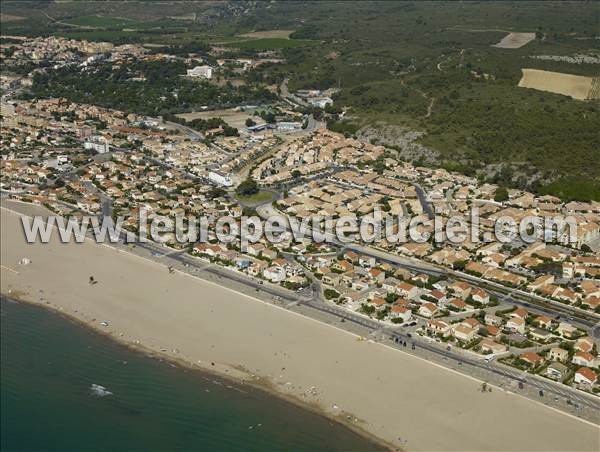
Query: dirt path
(430,107)
(424,95)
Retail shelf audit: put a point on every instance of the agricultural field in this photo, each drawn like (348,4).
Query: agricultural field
(574,86)
(515,40)
(10,18)
(270,44)
(116,36)
(268,34)
(98,21)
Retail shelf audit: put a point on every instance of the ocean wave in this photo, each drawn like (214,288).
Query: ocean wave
(99,391)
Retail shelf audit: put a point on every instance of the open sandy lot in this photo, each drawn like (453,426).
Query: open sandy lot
(515,40)
(397,397)
(232,117)
(282,34)
(575,86)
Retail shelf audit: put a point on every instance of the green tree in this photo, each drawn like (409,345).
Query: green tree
(247,188)
(501,194)
(215,192)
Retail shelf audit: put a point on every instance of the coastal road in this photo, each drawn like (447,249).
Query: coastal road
(554,394)
(586,321)
(557,395)
(579,318)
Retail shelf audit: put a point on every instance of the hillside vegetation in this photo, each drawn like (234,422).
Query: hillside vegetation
(430,67)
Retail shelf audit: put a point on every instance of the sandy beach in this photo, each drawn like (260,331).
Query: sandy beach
(401,399)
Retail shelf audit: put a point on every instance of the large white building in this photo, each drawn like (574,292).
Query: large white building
(201,72)
(98,144)
(220,179)
(288,126)
(320,102)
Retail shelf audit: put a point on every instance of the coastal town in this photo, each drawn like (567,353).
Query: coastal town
(377,223)
(531,307)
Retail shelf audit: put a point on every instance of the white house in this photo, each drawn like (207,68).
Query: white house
(320,102)
(584,359)
(488,345)
(566,329)
(480,296)
(558,354)
(274,274)
(220,179)
(557,371)
(407,290)
(439,327)
(464,333)
(586,376)
(200,72)
(516,325)
(428,310)
(400,312)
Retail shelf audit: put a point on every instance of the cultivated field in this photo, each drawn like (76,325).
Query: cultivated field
(270,43)
(10,18)
(281,34)
(575,86)
(98,21)
(515,40)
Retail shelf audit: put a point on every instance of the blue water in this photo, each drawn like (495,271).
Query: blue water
(49,363)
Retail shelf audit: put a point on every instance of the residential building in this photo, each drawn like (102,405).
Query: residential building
(464,333)
(586,376)
(532,358)
(558,354)
(428,310)
(205,72)
(439,327)
(584,359)
(488,345)
(557,371)
(516,325)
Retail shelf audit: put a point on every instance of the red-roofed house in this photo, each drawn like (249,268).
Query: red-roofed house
(400,312)
(586,376)
(439,327)
(584,359)
(532,358)
(480,296)
(428,310)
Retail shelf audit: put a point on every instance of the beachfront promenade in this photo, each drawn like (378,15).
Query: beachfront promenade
(374,387)
(309,304)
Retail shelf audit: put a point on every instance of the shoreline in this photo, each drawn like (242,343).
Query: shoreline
(379,386)
(259,385)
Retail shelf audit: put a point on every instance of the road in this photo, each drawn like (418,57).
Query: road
(580,319)
(194,135)
(531,304)
(424,202)
(557,395)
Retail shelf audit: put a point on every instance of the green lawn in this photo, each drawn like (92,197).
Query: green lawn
(259,198)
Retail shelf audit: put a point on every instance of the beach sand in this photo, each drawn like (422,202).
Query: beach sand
(396,397)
